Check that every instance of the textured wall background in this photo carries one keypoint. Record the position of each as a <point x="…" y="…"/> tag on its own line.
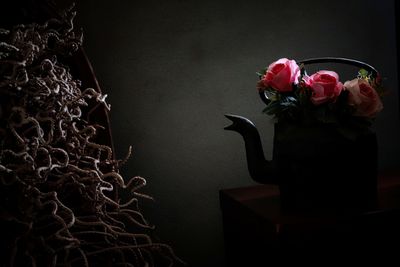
<point x="173" y="68"/>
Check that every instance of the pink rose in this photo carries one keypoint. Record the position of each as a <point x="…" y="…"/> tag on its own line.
<point x="325" y="86"/>
<point x="281" y="75"/>
<point x="363" y="97"/>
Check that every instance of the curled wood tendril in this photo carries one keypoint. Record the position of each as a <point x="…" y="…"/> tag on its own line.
<point x="56" y="179"/>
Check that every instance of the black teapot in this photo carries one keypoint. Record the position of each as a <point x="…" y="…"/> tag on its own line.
<point x="317" y="168"/>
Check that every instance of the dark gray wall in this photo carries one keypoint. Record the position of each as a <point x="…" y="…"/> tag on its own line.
<point x="173" y="68"/>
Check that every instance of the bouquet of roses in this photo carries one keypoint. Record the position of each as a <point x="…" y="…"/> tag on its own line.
<point x="294" y="96"/>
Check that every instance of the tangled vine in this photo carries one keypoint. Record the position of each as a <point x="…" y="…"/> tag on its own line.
<point x="56" y="180"/>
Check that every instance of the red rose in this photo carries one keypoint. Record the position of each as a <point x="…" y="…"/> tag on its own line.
<point x="325" y="86"/>
<point x="363" y="97"/>
<point x="280" y="75"/>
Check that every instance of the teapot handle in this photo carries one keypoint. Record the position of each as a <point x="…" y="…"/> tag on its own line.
<point x="347" y="61"/>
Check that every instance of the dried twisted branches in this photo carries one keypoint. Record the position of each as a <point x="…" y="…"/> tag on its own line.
<point x="55" y="180"/>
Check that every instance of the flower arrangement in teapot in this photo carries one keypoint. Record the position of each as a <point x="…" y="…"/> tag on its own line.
<point x="292" y="95"/>
<point x="324" y="155"/>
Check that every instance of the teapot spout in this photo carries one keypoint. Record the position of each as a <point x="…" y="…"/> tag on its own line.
<point x="261" y="170"/>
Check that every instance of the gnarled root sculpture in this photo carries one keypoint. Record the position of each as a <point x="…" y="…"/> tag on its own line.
<point x="56" y="207"/>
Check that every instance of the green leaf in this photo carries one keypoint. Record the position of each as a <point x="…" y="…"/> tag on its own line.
<point x="362" y="73"/>
<point x="289" y="101"/>
<point x="262" y="72"/>
<point x="272" y="108"/>
<point x="272" y="94"/>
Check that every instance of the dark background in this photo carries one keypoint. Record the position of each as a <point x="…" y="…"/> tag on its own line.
<point x="173" y="68"/>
